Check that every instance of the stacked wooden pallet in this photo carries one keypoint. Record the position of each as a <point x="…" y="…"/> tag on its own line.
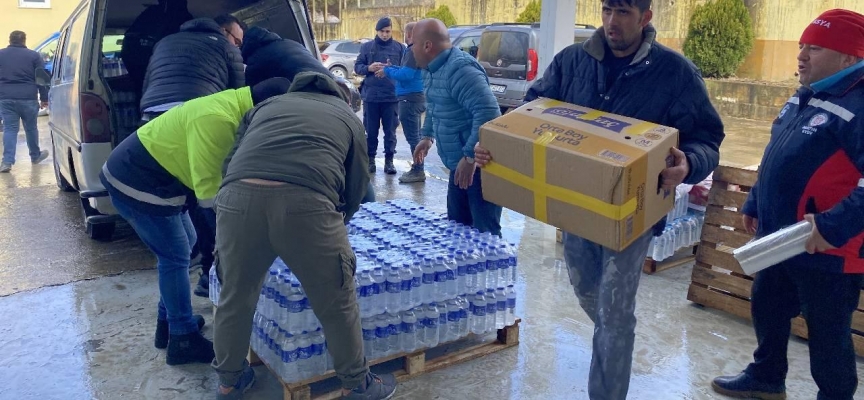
<point x="718" y="280"/>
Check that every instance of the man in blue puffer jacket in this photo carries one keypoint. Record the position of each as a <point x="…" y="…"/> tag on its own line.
<point x="379" y="94"/>
<point x="459" y="100"/>
<point x="622" y="70"/>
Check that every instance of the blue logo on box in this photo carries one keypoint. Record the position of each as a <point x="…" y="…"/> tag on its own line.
<point x="602" y="121"/>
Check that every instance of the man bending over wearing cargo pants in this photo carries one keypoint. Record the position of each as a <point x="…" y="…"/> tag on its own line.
<point x="295" y="177"/>
<point x="622" y="70"/>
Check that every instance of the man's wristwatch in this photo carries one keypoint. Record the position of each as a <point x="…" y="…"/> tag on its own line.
<point x="429" y="138"/>
<point x="469" y="159"/>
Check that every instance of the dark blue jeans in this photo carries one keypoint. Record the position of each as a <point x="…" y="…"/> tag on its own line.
<point x="467" y="206"/>
<point x="170" y="238"/>
<point x="827" y="302"/>
<point x="376" y="116"/>
<point x="409" y="116"/>
<point x="13" y="112"/>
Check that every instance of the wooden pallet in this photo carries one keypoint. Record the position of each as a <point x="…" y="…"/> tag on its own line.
<point x="413" y="364"/>
<point x="718" y="280"/>
<point x="683" y="256"/>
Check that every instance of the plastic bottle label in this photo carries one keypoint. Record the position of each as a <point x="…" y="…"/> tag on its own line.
<point x="481" y="267"/>
<point x="376" y="288"/>
<point x="366" y="291"/>
<point x="441" y="276"/>
<point x="417" y="281"/>
<point x="394" y="330"/>
<point x="431" y="323"/>
<point x="479" y="311"/>
<point x="502" y="305"/>
<point x="304" y="353"/>
<point x="409" y="327"/>
<point x="368" y="335"/>
<point x="295" y="306"/>
<point x="450" y="275"/>
<point x="512" y="261"/>
<point x="471" y="269"/>
<point x="382" y="332"/>
<point x="428" y="279"/>
<point x="491" y="307"/>
<point x="318" y="349"/>
<point x="462" y="270"/>
<point x="406" y="285"/>
<point x="393" y="287"/>
<point x="491" y="265"/>
<point x="289" y="356"/>
<point x="453" y="316"/>
<point x="442" y="319"/>
<point x="511" y="302"/>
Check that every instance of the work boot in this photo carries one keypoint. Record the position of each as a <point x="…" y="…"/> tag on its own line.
<point x="746" y="387"/>
<point x="247" y="379"/>
<point x="203" y="287"/>
<point x="371" y="165"/>
<point x="375" y="387"/>
<point x="389" y="169"/>
<point x="415" y="174"/>
<point x="5" y="167"/>
<point x="161" y="341"/>
<point x="42" y="156"/>
<point x="189" y="348"/>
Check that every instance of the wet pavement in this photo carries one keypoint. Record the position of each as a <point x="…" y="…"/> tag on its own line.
<point x="69" y="336"/>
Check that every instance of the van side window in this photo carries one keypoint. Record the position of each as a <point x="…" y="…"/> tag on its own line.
<point x="58" y="55"/>
<point x="72" y="50"/>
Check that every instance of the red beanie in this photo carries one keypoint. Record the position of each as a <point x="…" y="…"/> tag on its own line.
<point x="838" y="30"/>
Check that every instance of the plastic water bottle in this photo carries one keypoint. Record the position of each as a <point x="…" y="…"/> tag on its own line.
<point x="409" y="331"/>
<point x="481" y="271"/>
<point x="366" y="292"/>
<point x="499" y="257"/>
<point x="428" y="280"/>
<point x="443" y="327"/>
<point x="214" y="287"/>
<point x="461" y="272"/>
<point x="491" y="268"/>
<point x="379" y="293"/>
<point x="393" y="287"/>
<point x="281" y="311"/>
<point x="491" y="309"/>
<point x="452" y="276"/>
<point x="432" y="319"/>
<point x="304" y="355"/>
<point x="471" y="271"/>
<point x="319" y="353"/>
<point x="416" y="284"/>
<point x="500" y="308"/>
<point x="296" y="308"/>
<point x="659" y="248"/>
<point x="270" y="285"/>
<point x="453" y="319"/>
<point x="478" y="319"/>
<point x="288" y="371"/>
<point x="382" y="336"/>
<point x="512" y="260"/>
<point x="368" y="328"/>
<point x="406" y="278"/>
<point x="395" y="330"/>
<point x="464" y="316"/>
<point x="511" y="306"/>
<point x="440" y="292"/>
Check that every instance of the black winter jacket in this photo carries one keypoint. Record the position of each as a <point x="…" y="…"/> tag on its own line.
<point x="18" y="74"/>
<point x="378" y="90"/>
<point x="268" y="56"/>
<point x="195" y="62"/>
<point x="659" y="86"/>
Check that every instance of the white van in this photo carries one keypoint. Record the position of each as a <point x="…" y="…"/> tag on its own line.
<point x="93" y="103"/>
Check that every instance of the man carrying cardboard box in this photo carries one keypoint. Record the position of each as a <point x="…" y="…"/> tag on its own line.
<point x="622" y="70"/>
<point x="812" y="169"/>
<point x="460" y="101"/>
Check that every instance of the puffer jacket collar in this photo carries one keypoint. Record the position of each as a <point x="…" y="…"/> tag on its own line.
<point x="595" y="46"/>
<point x="256" y="38"/>
<point x="205" y="25"/>
<point x="440" y="60"/>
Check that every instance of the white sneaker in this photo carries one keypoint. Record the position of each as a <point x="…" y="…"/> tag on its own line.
<point x="42" y="156"/>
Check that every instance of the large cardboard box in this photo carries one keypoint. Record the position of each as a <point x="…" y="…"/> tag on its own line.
<point x="588" y="172"/>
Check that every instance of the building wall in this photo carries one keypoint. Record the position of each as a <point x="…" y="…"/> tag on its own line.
<point x="37" y="23"/>
<point x="778" y="24"/>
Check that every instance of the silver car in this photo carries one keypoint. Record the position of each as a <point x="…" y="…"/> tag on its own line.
<point x="338" y="56"/>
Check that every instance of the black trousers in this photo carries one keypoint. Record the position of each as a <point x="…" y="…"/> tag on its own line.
<point x="827" y="301"/>
<point x="375" y="117"/>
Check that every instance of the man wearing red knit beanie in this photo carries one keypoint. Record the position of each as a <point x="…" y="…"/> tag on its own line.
<point x="813" y="169"/>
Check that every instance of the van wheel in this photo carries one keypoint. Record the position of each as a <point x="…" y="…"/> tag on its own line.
<point x="102" y="231"/>
<point x="62" y="183"/>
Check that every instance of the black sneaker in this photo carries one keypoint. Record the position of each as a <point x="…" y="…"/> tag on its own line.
<point x="187" y="349"/>
<point x="746" y="387"/>
<point x="389" y="169"/>
<point x="203" y="287"/>
<point x="161" y="341"/>
<point x="375" y="387"/>
<point x="372" y="166"/>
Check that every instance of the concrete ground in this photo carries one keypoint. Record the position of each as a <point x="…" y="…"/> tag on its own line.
<point x="78" y="316"/>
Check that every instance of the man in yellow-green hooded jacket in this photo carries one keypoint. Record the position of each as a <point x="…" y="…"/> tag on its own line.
<point x="155" y="174"/>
